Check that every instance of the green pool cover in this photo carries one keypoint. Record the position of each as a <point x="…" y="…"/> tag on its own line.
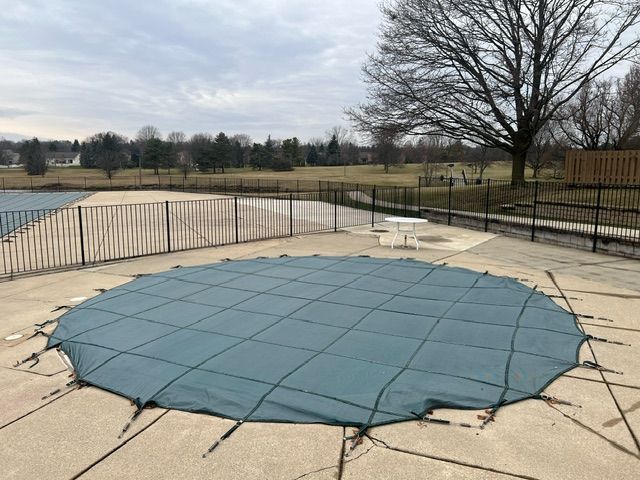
<point x="336" y="340"/>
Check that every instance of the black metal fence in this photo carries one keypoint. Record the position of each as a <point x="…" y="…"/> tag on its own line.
<point x="193" y="183"/>
<point x="77" y="236"/>
<point x="599" y="213"/>
<point x="594" y="217"/>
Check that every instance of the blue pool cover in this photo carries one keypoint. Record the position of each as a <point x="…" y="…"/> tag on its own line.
<point x="352" y="341"/>
<point x="17" y="209"/>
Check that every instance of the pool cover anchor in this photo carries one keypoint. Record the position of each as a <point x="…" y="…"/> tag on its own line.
<point x="441" y="421"/>
<point x="45" y="323"/>
<point x="224" y="436"/>
<point x="132" y="419"/>
<point x="61" y="307"/>
<point x="593" y="317"/>
<point x="556" y="401"/>
<point x="597" y="366"/>
<point x="34" y="357"/>
<point x="606" y="340"/>
<point x="355" y="439"/>
<point x="73" y="383"/>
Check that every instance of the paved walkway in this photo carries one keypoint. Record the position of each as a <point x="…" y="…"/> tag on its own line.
<point x="74" y="433"/>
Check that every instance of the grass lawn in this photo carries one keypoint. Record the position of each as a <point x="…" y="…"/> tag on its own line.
<point x="402" y="175"/>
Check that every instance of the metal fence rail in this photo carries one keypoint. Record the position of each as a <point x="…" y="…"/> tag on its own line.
<point x="192" y="183"/>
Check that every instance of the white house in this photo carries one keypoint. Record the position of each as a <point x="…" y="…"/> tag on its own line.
<point x="9" y="159"/>
<point x="63" y="159"/>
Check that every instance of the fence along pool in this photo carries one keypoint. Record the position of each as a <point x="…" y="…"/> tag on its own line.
<point x="65" y="237"/>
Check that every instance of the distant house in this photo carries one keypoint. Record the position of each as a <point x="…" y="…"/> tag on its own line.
<point x="365" y="157"/>
<point x="9" y="159"/>
<point x="63" y="159"/>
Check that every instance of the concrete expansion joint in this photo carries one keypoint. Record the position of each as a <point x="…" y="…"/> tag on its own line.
<point x="382" y="444"/>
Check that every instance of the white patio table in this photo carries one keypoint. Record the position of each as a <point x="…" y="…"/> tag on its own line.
<point x="399" y="221"/>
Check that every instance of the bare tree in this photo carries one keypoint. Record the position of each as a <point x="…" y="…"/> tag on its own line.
<point x="184" y="162"/>
<point x="627" y="108"/>
<point x="148" y="132"/>
<point x="586" y="121"/>
<point x="481" y="157"/>
<point x="386" y="147"/>
<point x="605" y="114"/>
<point x="176" y="138"/>
<point x="244" y="144"/>
<point x="540" y="155"/>
<point x="178" y="152"/>
<point x="492" y="73"/>
<point x="342" y="134"/>
<point x="144" y="135"/>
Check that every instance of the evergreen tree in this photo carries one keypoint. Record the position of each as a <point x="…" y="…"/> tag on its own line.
<point x="291" y="151"/>
<point x="237" y="155"/>
<point x="257" y="156"/>
<point x="201" y="146"/>
<point x="155" y="155"/>
<point x="33" y="158"/>
<point x="76" y="146"/>
<point x="222" y="150"/>
<point x="312" y="156"/>
<point x="333" y="151"/>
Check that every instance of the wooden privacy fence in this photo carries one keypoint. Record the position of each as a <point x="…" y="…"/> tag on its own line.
<point x="613" y="167"/>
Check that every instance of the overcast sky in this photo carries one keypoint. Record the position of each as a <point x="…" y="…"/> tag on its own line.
<point x="281" y="67"/>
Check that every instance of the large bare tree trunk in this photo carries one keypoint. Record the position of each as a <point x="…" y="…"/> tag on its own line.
<point x="517" y="167"/>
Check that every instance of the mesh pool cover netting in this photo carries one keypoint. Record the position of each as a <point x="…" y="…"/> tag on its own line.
<point x="337" y="340"/>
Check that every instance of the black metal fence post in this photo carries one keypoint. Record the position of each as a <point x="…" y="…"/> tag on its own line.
<point x="291" y="214"/>
<point x="535" y="208"/>
<point x="235" y="216"/>
<point x="373" y="206"/>
<point x="405" y="202"/>
<point x="81" y="234"/>
<point x="595" y="226"/>
<point x="166" y="209"/>
<point x="419" y="198"/>
<point x="335" y="210"/>
<point x="449" y="202"/>
<point x="486" y="207"/>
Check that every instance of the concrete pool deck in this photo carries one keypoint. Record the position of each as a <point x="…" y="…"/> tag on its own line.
<point x="74" y="433"/>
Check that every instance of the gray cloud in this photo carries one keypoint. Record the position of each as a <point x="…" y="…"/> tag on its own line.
<point x="283" y="67"/>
